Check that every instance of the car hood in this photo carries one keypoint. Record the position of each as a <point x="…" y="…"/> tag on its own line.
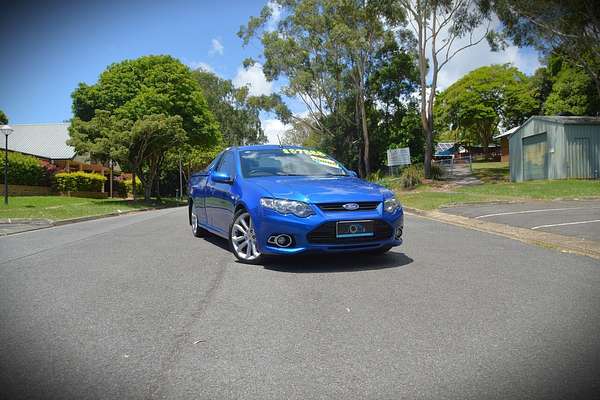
<point x="320" y="189"/>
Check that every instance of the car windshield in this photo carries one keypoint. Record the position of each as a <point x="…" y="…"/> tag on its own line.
<point x="288" y="162"/>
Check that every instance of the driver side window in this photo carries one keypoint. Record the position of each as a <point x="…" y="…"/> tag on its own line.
<point x="227" y="164"/>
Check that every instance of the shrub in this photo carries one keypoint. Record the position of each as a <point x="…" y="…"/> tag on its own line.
<point x="437" y="172"/>
<point x="123" y="187"/>
<point x="79" y="182"/>
<point x="23" y="170"/>
<point x="375" y="176"/>
<point x="411" y="176"/>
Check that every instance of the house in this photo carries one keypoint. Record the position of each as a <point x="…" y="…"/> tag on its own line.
<point x="48" y="142"/>
<point x="503" y="137"/>
<point x="555" y="147"/>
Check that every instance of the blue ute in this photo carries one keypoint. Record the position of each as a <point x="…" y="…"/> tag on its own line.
<point x="281" y="200"/>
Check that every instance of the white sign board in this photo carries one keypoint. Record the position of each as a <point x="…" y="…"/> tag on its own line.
<point x="397" y="157"/>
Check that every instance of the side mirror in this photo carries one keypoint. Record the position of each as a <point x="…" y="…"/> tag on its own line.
<point x="353" y="174"/>
<point x="221" y="177"/>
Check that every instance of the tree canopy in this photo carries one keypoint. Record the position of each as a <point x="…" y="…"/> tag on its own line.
<point x="328" y="51"/>
<point x="3" y="118"/>
<point x="236" y="112"/>
<point x="137" y="111"/>
<point x="484" y="99"/>
<point x="570" y="29"/>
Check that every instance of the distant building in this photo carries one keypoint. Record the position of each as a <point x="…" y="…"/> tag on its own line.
<point x="504" y="142"/>
<point x="555" y="147"/>
<point x="48" y="142"/>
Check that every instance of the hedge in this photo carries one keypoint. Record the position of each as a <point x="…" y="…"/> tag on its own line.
<point x="79" y="182"/>
<point x="24" y="170"/>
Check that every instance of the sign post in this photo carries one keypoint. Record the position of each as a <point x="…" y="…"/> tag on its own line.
<point x="397" y="158"/>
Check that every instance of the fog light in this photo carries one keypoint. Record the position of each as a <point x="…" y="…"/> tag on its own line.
<point x="398" y="233"/>
<point x="281" y="240"/>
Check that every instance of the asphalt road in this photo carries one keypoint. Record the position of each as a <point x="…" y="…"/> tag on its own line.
<point x="575" y="218"/>
<point x="135" y="307"/>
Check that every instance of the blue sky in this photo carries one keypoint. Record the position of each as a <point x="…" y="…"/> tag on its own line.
<point x="49" y="47"/>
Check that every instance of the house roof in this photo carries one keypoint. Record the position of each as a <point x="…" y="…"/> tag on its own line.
<point x="444" y="149"/>
<point x="42" y="140"/>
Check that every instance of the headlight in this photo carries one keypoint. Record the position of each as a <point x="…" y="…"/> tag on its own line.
<point x="298" y="208"/>
<point x="391" y="205"/>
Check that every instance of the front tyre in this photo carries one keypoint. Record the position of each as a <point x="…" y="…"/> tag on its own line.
<point x="242" y="239"/>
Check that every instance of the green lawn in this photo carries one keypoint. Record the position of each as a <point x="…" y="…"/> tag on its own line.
<point x="491" y="171"/>
<point x="58" y="208"/>
<point x="428" y="198"/>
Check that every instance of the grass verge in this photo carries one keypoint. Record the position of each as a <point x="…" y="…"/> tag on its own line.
<point x="426" y="197"/>
<point x="58" y="208"/>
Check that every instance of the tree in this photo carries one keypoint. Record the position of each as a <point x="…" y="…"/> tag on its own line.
<point x="3" y="118"/>
<point x="485" y="98"/>
<point x="438" y="27"/>
<point x="572" y="93"/>
<point x="236" y="111"/>
<point x="127" y="114"/>
<point x="568" y="28"/>
<point x="147" y="143"/>
<point x="325" y="49"/>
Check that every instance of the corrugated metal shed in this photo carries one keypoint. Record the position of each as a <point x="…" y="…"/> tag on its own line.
<point x="42" y="140"/>
<point x="555" y="148"/>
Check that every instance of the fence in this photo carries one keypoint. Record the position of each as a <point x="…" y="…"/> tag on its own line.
<point x="451" y="165"/>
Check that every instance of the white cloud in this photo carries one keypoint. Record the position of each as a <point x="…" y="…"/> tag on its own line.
<point x="481" y="55"/>
<point x="275" y="15"/>
<point x="200" y="65"/>
<point x="255" y="79"/>
<point x="274" y="128"/>
<point x="216" y="48"/>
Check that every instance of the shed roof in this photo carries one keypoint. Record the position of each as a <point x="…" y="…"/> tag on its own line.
<point x="506" y="133"/>
<point x="42" y="140"/>
<point x="584" y="120"/>
<point x="556" y="119"/>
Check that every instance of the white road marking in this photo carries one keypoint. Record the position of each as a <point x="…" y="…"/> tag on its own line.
<point x="566" y="223"/>
<point x="535" y="211"/>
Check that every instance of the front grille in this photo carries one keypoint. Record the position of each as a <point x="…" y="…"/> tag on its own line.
<point x="325" y="234"/>
<point x="362" y="206"/>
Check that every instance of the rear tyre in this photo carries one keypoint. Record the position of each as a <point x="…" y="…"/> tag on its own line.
<point x="242" y="239"/>
<point x="196" y="229"/>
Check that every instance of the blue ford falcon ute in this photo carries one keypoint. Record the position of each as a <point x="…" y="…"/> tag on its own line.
<point x="281" y="200"/>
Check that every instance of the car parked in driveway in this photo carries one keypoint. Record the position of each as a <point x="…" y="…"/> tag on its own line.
<point x="281" y="200"/>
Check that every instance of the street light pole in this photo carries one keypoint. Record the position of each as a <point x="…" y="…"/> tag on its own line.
<point x="180" y="179"/>
<point x="6" y="169"/>
<point x="7" y="130"/>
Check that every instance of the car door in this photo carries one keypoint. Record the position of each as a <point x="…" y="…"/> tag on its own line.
<point x="219" y="198"/>
<point x="198" y="189"/>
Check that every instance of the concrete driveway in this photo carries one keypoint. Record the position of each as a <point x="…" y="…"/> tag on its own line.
<point x="576" y="218"/>
<point x="134" y="307"/>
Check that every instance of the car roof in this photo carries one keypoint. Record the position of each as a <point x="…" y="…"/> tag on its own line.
<point x="267" y="147"/>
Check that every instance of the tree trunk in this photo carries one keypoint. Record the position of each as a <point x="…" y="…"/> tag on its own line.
<point x="365" y="132"/>
<point x="147" y="191"/>
<point x="133" y="185"/>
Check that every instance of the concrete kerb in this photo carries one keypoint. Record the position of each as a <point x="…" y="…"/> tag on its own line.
<point x="563" y="243"/>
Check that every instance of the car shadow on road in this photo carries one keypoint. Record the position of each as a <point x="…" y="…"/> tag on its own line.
<point x="326" y="263"/>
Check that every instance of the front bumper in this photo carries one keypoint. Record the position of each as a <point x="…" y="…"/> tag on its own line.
<point x="268" y="223"/>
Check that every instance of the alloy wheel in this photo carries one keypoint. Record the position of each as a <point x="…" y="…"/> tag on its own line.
<point x="243" y="238"/>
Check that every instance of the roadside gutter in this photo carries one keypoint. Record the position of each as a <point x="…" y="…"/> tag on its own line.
<point x="565" y="244"/>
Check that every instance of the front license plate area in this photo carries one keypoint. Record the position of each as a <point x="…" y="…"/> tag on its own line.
<point x="347" y="229"/>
